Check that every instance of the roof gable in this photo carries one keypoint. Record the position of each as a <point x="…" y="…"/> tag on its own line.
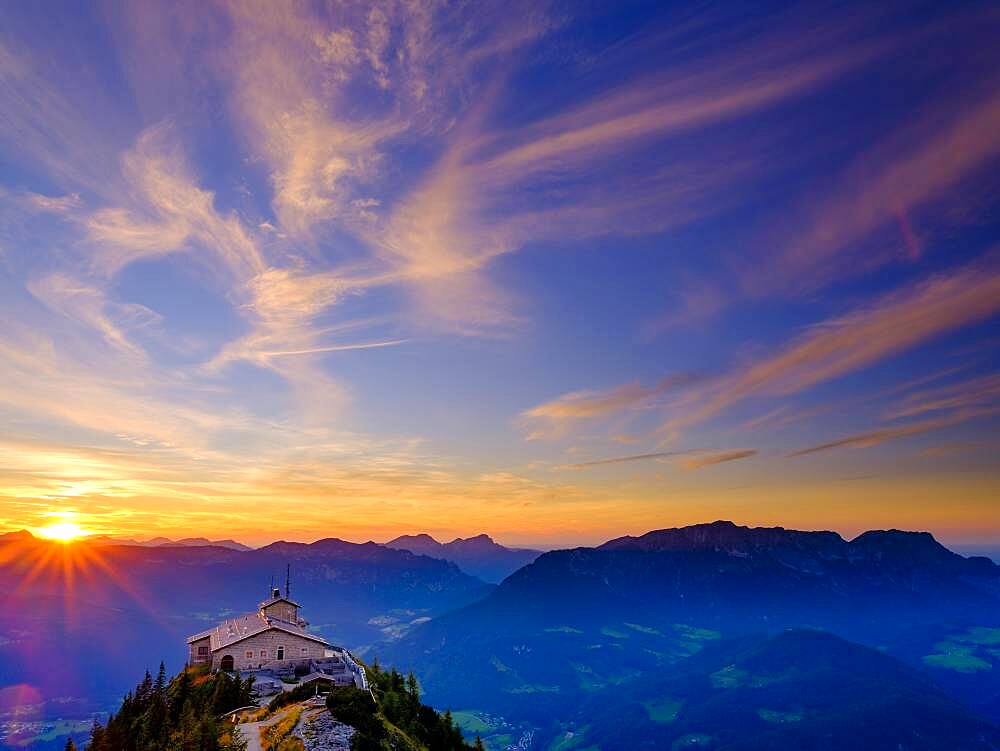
<point x="235" y="630"/>
<point x="275" y="600"/>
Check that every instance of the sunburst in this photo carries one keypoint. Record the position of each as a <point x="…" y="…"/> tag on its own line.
<point x="63" y="531"/>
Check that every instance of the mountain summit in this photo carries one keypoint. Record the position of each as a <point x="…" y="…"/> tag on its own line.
<point x="480" y="555"/>
<point x="811" y="550"/>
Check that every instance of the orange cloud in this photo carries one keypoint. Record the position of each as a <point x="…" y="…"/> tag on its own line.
<point x="554" y="418"/>
<point x="623" y="459"/>
<point x="892" y="324"/>
<point x="495" y="190"/>
<point x="707" y="460"/>
<point x="920" y="171"/>
<point x="881" y="435"/>
<point x="688" y="458"/>
<point x="965" y="394"/>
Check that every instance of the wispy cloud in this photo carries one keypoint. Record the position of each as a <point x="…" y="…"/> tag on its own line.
<point x="687" y="458"/>
<point x="967" y="393"/>
<point x="870" y="216"/>
<point x="881" y="435"/>
<point x="624" y="459"/>
<point x="889" y="325"/>
<point x="699" y="461"/>
<point x="892" y="324"/>
<point x="556" y="417"/>
<point x="89" y="306"/>
<point x="170" y="213"/>
<point x="949" y="449"/>
<point x="494" y="190"/>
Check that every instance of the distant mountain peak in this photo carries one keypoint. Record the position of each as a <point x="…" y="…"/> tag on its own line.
<point x="721" y="534"/>
<point x="481" y="537"/>
<point x="479" y="542"/>
<point x="479" y="555"/>
<point x="421" y="538"/>
<point x="20" y="534"/>
<point x="897" y="542"/>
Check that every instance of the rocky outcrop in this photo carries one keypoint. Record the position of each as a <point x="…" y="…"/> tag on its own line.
<point x="318" y="731"/>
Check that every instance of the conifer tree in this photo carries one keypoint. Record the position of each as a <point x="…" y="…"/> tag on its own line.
<point x="161" y="680"/>
<point x="178" y="696"/>
<point x="96" y="736"/>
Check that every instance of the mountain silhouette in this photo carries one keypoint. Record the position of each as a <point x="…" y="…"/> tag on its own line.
<point x="480" y="555"/>
<point x="582" y="620"/>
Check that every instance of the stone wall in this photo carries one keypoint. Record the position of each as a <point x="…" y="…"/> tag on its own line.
<point x="283" y="611"/>
<point x="195" y="655"/>
<point x="264" y="648"/>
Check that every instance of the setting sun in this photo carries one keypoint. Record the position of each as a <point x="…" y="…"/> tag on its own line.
<point x="62" y="531"/>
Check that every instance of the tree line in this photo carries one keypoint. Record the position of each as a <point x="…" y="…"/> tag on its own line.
<point x="182" y="714"/>
<point x="398" y="711"/>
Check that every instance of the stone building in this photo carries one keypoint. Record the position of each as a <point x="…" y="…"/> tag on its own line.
<point x="272" y="638"/>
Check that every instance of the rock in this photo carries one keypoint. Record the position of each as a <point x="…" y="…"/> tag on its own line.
<point x="320" y="732"/>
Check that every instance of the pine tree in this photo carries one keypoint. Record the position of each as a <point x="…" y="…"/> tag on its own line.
<point x="178" y="696"/>
<point x="70" y="746"/>
<point x="143" y="692"/>
<point x="412" y="688"/>
<point x="479" y="744"/>
<point x="161" y="680"/>
<point x="96" y="737"/>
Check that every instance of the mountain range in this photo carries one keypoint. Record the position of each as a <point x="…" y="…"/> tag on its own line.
<point x="583" y="623"/>
<point x="81" y="620"/>
<point x="480" y="555"/>
<point x="155" y="542"/>
<point x="709" y="636"/>
<point x="166" y="542"/>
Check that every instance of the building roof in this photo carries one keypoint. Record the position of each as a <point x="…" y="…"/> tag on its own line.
<point x="314" y="676"/>
<point x="278" y="598"/>
<point x="234" y="630"/>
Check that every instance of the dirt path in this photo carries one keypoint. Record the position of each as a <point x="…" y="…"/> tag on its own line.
<point x="251" y="731"/>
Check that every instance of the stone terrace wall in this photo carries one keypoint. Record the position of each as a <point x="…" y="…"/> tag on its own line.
<point x="265" y="649"/>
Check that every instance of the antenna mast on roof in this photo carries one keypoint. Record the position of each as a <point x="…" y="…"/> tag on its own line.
<point x="270" y="590"/>
<point x="288" y="580"/>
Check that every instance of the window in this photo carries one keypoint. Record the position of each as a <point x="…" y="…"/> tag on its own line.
<point x="263" y="653"/>
<point x="281" y="653"/>
<point x="203" y="651"/>
<point x="305" y="650"/>
<point x="249" y="654"/>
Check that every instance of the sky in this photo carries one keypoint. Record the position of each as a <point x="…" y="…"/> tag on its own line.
<point x="553" y="271"/>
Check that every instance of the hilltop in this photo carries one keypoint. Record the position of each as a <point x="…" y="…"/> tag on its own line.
<point x="207" y="711"/>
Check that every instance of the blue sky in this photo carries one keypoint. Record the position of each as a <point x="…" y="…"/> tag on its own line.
<point x="553" y="271"/>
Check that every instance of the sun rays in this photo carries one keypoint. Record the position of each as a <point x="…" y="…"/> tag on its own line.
<point x="60" y="562"/>
<point x="62" y="532"/>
